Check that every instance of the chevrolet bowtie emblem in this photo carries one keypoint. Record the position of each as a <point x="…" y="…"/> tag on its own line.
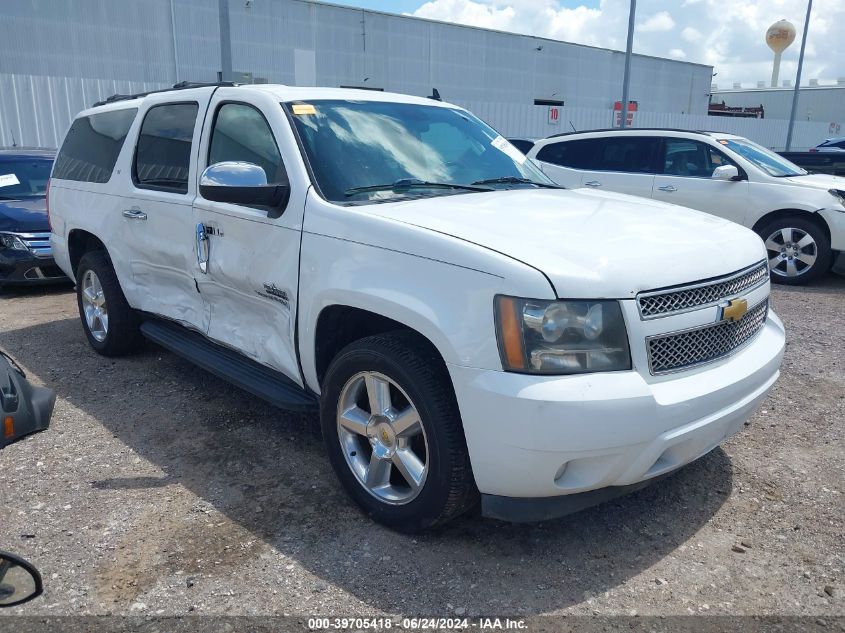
<point x="734" y="311"/>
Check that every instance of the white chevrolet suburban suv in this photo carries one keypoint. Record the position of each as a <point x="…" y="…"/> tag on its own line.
<point x="800" y="216"/>
<point x="473" y="334"/>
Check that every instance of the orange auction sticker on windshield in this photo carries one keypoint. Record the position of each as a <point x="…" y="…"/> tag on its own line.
<point x="723" y="141"/>
<point x="304" y="108"/>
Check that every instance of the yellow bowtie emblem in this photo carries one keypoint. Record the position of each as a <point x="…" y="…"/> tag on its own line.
<point x="735" y="310"/>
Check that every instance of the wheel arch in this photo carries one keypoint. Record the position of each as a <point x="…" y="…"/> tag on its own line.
<point x="79" y="242"/>
<point x="810" y="216"/>
<point x="340" y="324"/>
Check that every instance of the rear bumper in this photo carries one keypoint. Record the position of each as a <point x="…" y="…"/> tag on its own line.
<point x="22" y="268"/>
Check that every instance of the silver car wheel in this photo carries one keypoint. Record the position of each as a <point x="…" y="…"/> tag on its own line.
<point x="792" y="252"/>
<point x="94" y="306"/>
<point x="382" y="438"/>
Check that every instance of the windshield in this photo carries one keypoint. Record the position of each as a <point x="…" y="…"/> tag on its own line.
<point x="763" y="158"/>
<point x="370" y="151"/>
<point x="24" y="178"/>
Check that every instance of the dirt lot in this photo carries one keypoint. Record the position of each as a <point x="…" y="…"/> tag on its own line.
<point x="161" y="490"/>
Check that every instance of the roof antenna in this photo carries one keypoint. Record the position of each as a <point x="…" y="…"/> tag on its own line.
<point x="14" y="142"/>
<point x="572" y="126"/>
<point x="435" y="94"/>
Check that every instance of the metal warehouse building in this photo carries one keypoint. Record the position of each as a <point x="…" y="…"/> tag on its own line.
<point x="58" y="56"/>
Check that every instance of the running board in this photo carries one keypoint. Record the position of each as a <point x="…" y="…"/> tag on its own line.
<point x="261" y="381"/>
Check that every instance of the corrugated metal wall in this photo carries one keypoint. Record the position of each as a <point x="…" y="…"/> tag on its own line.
<point x="37" y="111"/>
<point x="303" y="42"/>
<point x="59" y="56"/>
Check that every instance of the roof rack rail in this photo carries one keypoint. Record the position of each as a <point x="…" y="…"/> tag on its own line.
<point x="629" y="129"/>
<point x="182" y="85"/>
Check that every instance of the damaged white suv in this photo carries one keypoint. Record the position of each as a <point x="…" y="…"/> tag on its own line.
<point x="472" y="333"/>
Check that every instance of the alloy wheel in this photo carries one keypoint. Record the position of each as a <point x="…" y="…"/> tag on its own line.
<point x="792" y="252"/>
<point x="94" y="306"/>
<point x="382" y="437"/>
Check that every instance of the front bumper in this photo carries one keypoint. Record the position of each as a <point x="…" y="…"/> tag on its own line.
<point x="24" y="268"/>
<point x="550" y="436"/>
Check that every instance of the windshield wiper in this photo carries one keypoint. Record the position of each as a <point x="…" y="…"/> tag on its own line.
<point x="514" y="180"/>
<point x="404" y="184"/>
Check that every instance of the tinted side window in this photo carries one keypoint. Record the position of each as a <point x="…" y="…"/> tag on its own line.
<point x="685" y="157"/>
<point x="242" y="134"/>
<point x="577" y="154"/>
<point x="522" y="144"/>
<point x="631" y="154"/>
<point x="163" y="154"/>
<point x="92" y="145"/>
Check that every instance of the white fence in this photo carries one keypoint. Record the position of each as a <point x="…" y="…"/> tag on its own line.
<point x="37" y="110"/>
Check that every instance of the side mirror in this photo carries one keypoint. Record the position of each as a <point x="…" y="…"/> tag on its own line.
<point x="725" y="172"/>
<point x="19" y="581"/>
<point x="242" y="183"/>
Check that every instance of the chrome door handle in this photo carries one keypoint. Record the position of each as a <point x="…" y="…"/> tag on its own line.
<point x="134" y="214"/>
<point x="668" y="188"/>
<point x="592" y="183"/>
<point x="202" y="248"/>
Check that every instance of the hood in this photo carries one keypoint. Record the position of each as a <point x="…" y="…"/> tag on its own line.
<point x="590" y="244"/>
<point x="24" y="216"/>
<point x="817" y="181"/>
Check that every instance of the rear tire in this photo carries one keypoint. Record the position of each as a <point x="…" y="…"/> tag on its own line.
<point x="798" y="250"/>
<point x="401" y="453"/>
<point x="111" y="326"/>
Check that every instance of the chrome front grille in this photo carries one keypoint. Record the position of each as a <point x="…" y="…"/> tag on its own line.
<point x="38" y="243"/>
<point x="685" y="349"/>
<point x="695" y="296"/>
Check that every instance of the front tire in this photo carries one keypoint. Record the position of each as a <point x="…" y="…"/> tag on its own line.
<point x="111" y="326"/>
<point x="798" y="250"/>
<point x="393" y="432"/>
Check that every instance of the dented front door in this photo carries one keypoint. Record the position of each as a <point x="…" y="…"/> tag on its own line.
<point x="248" y="258"/>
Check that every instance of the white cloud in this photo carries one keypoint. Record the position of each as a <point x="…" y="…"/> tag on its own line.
<point x="726" y="35"/>
<point x="657" y="23"/>
<point x="468" y="12"/>
<point x="691" y="34"/>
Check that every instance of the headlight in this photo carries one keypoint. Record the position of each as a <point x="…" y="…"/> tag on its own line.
<point x="10" y="240"/>
<point x="561" y="337"/>
<point x="839" y="194"/>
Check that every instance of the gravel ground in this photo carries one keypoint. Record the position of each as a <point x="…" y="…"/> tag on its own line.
<point x="160" y="490"/>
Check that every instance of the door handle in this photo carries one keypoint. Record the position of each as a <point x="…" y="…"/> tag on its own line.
<point x="202" y="248"/>
<point x="668" y="188"/>
<point x="592" y="183"/>
<point x="134" y="214"/>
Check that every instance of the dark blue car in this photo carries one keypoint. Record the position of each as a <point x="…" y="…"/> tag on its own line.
<point x="25" y="254"/>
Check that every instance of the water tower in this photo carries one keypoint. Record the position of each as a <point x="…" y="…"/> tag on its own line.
<point x="779" y="36"/>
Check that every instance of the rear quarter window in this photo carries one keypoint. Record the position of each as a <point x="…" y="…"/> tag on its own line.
<point x="92" y="146"/>
<point x="577" y="154"/>
<point x="163" y="154"/>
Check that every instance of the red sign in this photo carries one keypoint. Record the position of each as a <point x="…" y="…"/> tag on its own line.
<point x="554" y="115"/>
<point x="617" y="114"/>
